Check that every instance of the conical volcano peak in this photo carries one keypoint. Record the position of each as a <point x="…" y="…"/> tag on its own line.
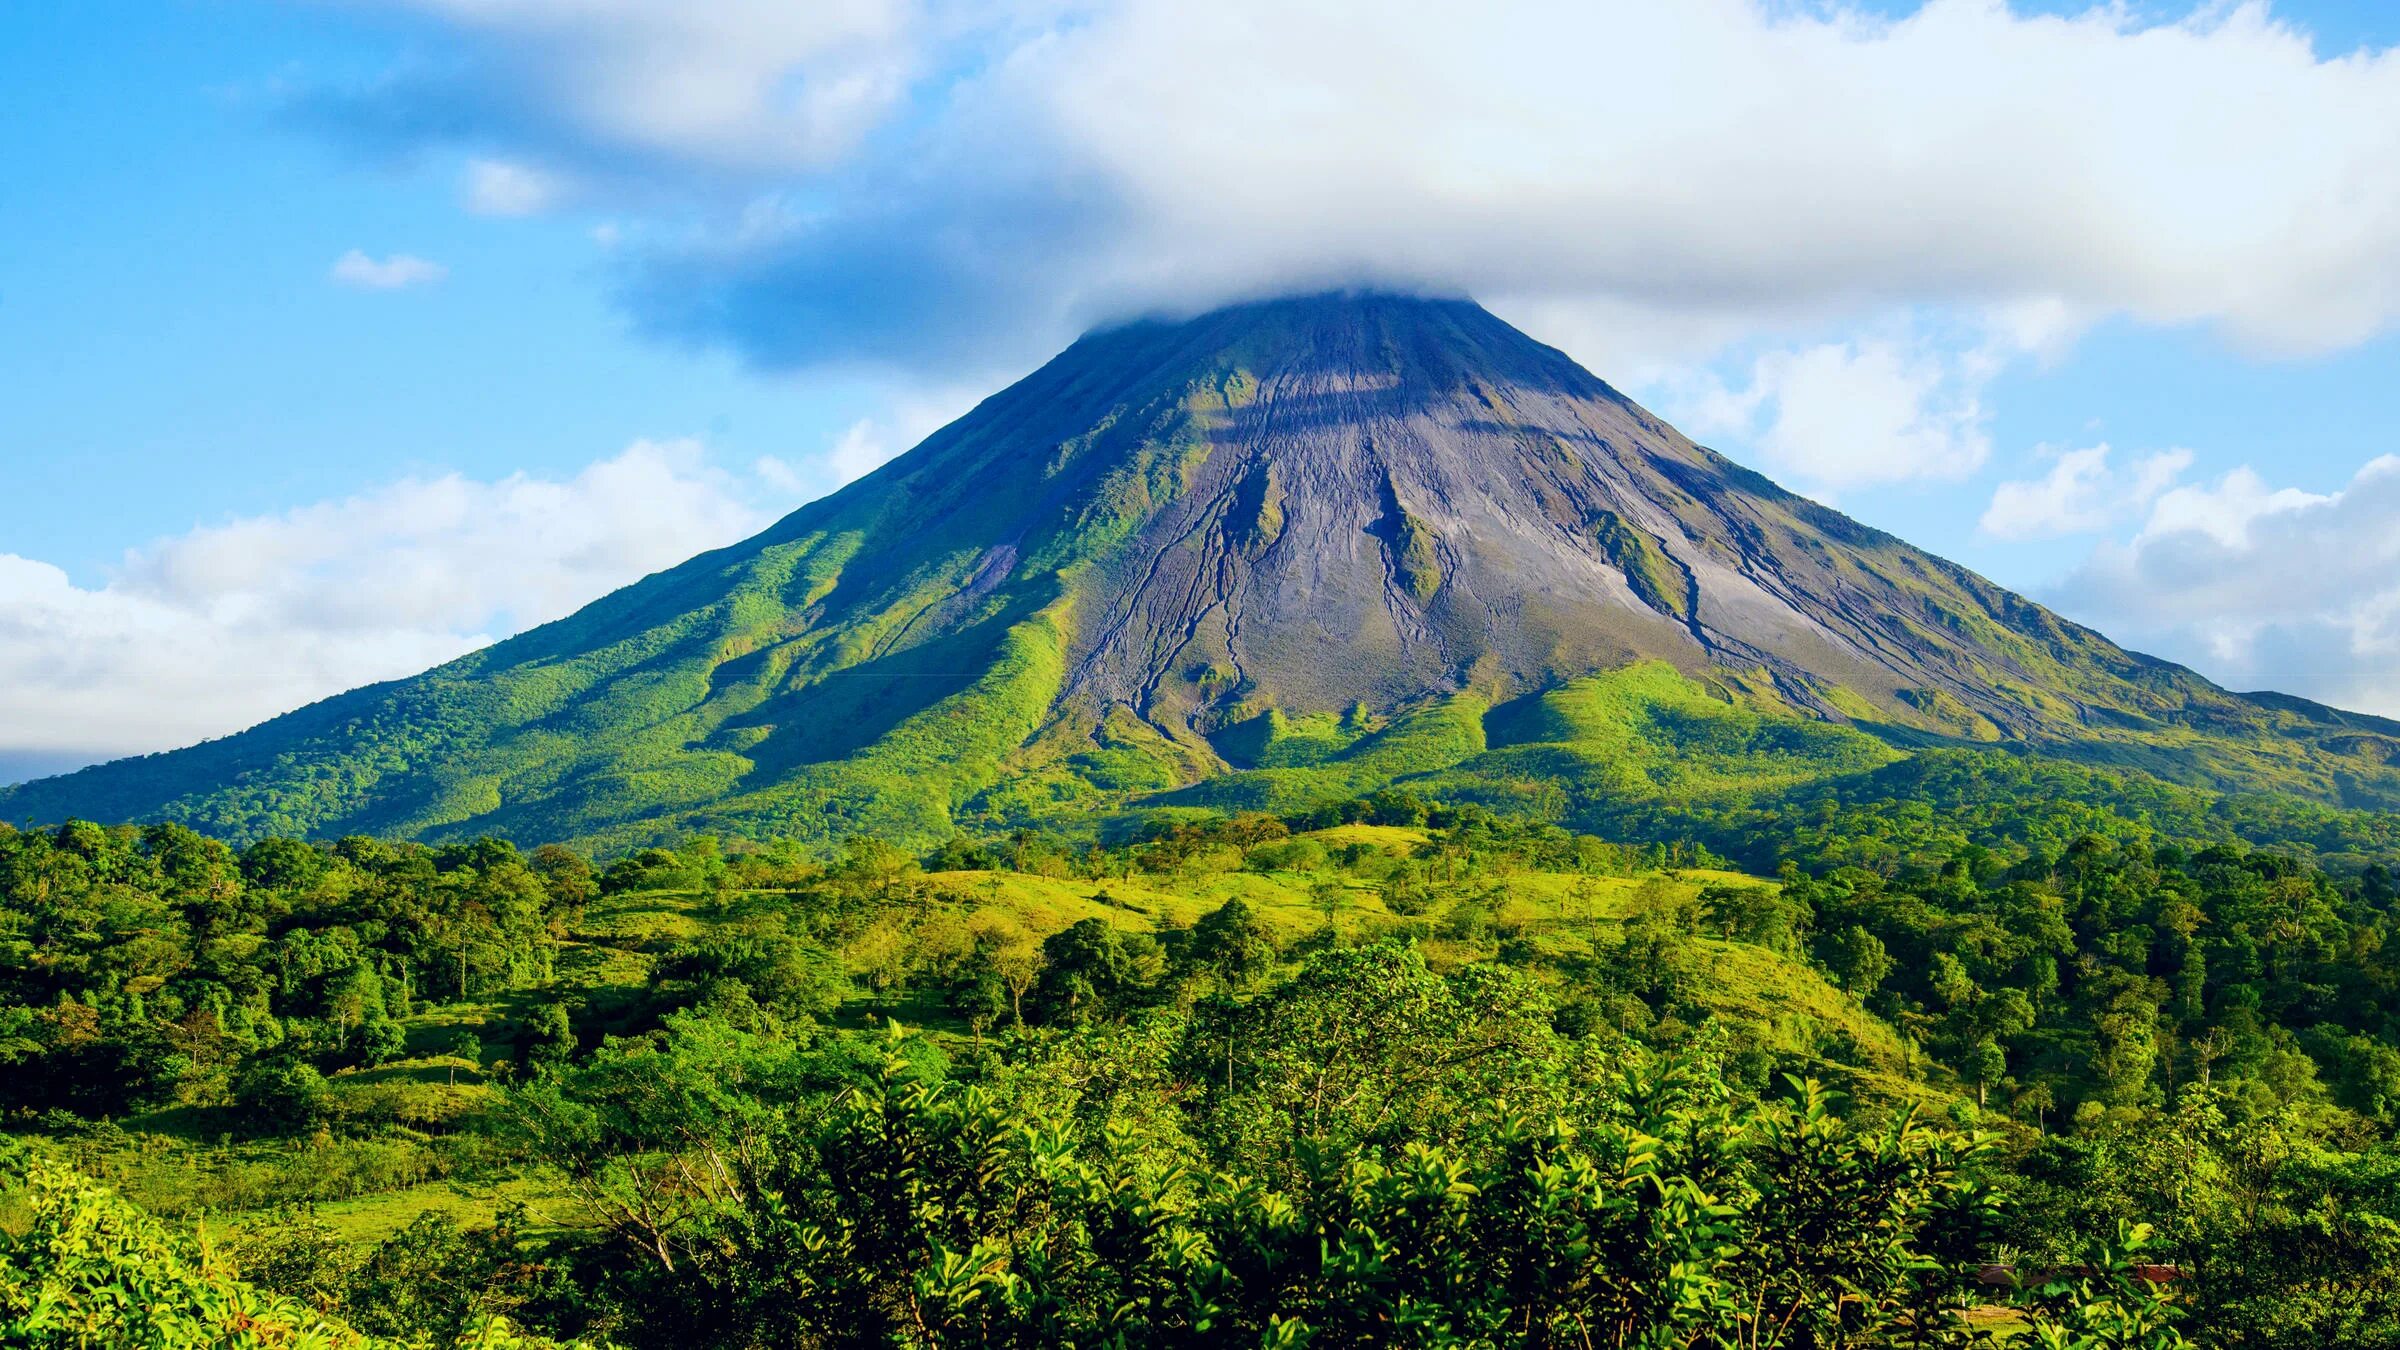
<point x="1431" y="344"/>
<point x="1238" y="543"/>
<point x="1378" y="498"/>
<point x="1385" y="496"/>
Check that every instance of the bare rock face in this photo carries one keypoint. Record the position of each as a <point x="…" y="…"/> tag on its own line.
<point x="1105" y="577"/>
<point x="1387" y="497"/>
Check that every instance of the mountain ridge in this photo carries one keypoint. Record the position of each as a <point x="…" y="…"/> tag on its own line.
<point x="1147" y="563"/>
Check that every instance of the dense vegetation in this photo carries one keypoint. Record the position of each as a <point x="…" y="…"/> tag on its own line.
<point x="2013" y="1059"/>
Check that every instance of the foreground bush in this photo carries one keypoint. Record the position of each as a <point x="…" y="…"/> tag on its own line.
<point x="91" y="1272"/>
<point x="920" y="1213"/>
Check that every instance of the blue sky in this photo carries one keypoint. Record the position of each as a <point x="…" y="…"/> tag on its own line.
<point x="625" y="280"/>
<point x="178" y="352"/>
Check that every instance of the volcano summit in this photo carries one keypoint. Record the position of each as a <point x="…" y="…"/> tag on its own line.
<point x="1284" y="548"/>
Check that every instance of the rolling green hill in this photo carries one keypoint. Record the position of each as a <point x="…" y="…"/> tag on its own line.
<point x="1277" y="553"/>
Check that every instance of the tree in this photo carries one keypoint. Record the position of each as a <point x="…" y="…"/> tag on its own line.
<point x="496" y="925"/>
<point x="989" y="978"/>
<point x="1012" y="957"/>
<point x="381" y="1040"/>
<point x="464" y="1045"/>
<point x="547" y="1037"/>
<point x="282" y="1096"/>
<point x="884" y="955"/>
<point x="2207" y="1049"/>
<point x="434" y="1282"/>
<point x="566" y="875"/>
<point x="1857" y="958"/>
<point x="875" y="865"/>
<point x="652" y="1132"/>
<point x="960" y="853"/>
<point x="1987" y="1064"/>
<point x="1230" y="943"/>
<point x="2034" y="1097"/>
<point x="1363" y="1043"/>
<point x="1393" y="806"/>
<point x="1088" y="971"/>
<point x="1653" y="942"/>
<point x="782" y="970"/>
<point x="2128" y="1053"/>
<point x="1405" y="893"/>
<point x="1765" y="916"/>
<point x="1329" y="894"/>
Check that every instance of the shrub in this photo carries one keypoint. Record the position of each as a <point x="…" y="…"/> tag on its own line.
<point x="282" y="1096"/>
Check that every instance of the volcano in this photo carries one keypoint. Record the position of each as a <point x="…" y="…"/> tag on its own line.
<point x="1377" y="534"/>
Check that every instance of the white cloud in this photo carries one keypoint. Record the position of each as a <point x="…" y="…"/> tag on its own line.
<point x="498" y="187"/>
<point x="98" y="673"/>
<point x="860" y="449"/>
<point x="2081" y="493"/>
<point x="1756" y="161"/>
<point x="1720" y="152"/>
<point x="2226" y="512"/>
<point x="742" y="84"/>
<point x="211" y="631"/>
<point x="1871" y="215"/>
<point x="940" y="182"/>
<point x="908" y="416"/>
<point x="386" y="274"/>
<point x="1888" y="407"/>
<point x="2261" y="587"/>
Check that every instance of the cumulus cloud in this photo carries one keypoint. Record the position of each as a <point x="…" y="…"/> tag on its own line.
<point x="211" y="631"/>
<point x="1848" y="414"/>
<point x="909" y="180"/>
<point x="738" y="85"/>
<point x="498" y="187"/>
<point x="2264" y="587"/>
<point x="2226" y="512"/>
<point x="2081" y="493"/>
<point x="394" y="273"/>
<point x="869" y="443"/>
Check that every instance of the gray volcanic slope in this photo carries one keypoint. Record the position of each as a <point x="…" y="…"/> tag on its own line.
<point x="1419" y="498"/>
<point x="1107" y="577"/>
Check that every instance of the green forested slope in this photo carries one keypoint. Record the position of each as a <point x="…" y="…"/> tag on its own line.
<point x="1284" y="551"/>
